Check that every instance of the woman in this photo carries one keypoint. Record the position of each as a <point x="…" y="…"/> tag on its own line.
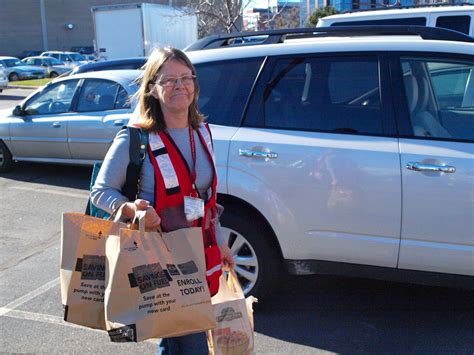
<point x="178" y="177"/>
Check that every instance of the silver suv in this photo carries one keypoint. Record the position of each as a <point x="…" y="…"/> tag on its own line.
<point x="344" y="151"/>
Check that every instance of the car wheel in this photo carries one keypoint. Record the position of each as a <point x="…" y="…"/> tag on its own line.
<point x="257" y="259"/>
<point x="53" y="74"/>
<point x="13" y="77"/>
<point x="6" y="161"/>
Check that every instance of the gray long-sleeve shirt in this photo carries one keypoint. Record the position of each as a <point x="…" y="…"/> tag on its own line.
<point x="106" y="192"/>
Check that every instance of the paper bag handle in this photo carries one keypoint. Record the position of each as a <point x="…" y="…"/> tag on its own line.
<point x="140" y="215"/>
<point x="116" y="214"/>
<point x="234" y="284"/>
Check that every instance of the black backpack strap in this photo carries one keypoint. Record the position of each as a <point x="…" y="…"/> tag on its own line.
<point x="137" y="152"/>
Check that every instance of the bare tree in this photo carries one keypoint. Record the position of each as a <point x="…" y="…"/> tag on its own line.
<point x="218" y="15"/>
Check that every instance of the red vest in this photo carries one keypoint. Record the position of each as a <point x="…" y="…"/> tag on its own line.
<point x="173" y="181"/>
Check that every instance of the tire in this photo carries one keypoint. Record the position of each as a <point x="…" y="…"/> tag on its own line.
<point x="257" y="258"/>
<point x="13" y="77"/>
<point x="6" y="161"/>
<point x="53" y="75"/>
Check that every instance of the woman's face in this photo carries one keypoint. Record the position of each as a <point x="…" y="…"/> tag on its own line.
<point x="172" y="87"/>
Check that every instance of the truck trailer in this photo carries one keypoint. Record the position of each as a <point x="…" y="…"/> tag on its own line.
<point x="134" y="30"/>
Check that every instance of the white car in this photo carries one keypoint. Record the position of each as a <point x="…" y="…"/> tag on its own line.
<point x="344" y="152"/>
<point x="71" y="59"/>
<point x="3" y="79"/>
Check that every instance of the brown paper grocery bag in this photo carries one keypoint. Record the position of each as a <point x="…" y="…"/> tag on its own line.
<point x="82" y="270"/>
<point x="233" y="334"/>
<point x="156" y="285"/>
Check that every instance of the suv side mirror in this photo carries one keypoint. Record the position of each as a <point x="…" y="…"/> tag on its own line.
<point x="18" y="111"/>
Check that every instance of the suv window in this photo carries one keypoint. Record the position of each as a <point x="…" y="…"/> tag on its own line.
<point x="457" y="23"/>
<point x="224" y="89"/>
<point x="98" y="95"/>
<point x="440" y="97"/>
<point x="315" y="94"/>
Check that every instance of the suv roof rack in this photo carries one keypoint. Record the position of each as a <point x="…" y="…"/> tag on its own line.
<point x="398" y="6"/>
<point x="279" y="36"/>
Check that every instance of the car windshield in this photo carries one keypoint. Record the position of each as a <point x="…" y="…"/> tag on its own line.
<point x="77" y="56"/>
<point x="12" y="62"/>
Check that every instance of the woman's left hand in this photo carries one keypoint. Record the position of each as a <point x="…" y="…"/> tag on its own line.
<point x="227" y="258"/>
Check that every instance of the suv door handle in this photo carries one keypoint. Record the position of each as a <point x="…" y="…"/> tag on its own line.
<point x="257" y="154"/>
<point x="430" y="167"/>
<point x="118" y="122"/>
<point x="56" y="124"/>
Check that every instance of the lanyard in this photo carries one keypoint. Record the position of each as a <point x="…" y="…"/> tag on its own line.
<point x="193" y="154"/>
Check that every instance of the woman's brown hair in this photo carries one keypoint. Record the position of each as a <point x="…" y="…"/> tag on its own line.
<point x="151" y="117"/>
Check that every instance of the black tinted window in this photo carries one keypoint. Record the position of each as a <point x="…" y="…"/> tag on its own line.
<point x="225" y="87"/>
<point x="457" y="23"/>
<point x="324" y="94"/>
<point x="419" y="21"/>
<point x="97" y="95"/>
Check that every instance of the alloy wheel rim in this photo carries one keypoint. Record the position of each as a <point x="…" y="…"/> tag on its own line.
<point x="2" y="157"/>
<point x="245" y="258"/>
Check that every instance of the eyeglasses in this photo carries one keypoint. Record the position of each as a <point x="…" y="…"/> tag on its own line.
<point x="171" y="80"/>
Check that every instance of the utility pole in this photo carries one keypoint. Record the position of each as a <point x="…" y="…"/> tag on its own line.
<point x="43" y="25"/>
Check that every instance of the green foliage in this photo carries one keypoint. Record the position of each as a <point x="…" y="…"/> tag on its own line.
<point x="318" y="13"/>
<point x="35" y="82"/>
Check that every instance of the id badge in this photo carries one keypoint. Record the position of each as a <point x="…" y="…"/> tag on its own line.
<point x="193" y="208"/>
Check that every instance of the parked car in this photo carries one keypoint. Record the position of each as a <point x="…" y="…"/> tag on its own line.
<point x="114" y="64"/>
<point x="83" y="50"/>
<point x="53" y="66"/>
<point x="72" y="120"/>
<point x="350" y="150"/>
<point x="25" y="54"/>
<point x="16" y="70"/>
<point x="71" y="59"/>
<point x="3" y="79"/>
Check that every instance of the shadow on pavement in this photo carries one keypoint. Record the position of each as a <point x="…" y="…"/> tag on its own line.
<point x="4" y="97"/>
<point x="349" y="315"/>
<point x="77" y="177"/>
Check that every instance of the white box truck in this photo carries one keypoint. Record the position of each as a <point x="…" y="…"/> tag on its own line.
<point x="133" y="30"/>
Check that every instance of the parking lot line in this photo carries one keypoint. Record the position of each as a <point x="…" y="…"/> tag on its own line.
<point x="50" y="319"/>
<point x="28" y="297"/>
<point x="10" y="310"/>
